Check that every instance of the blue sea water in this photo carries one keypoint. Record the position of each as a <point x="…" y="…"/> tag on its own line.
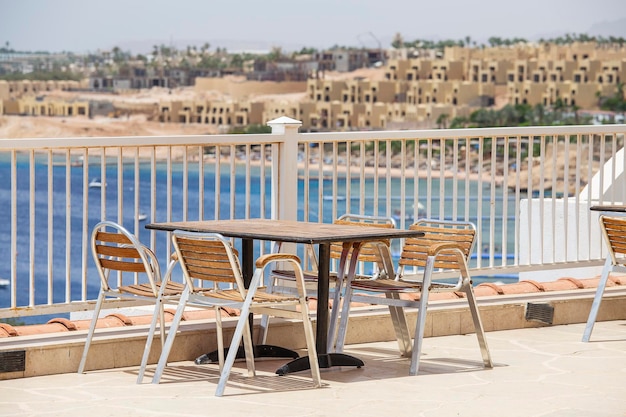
<point x="68" y="218"/>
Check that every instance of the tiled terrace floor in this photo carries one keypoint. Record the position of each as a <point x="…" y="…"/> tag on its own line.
<point x="545" y="372"/>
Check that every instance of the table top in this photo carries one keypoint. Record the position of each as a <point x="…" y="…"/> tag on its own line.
<point x="287" y="230"/>
<point x="616" y="208"/>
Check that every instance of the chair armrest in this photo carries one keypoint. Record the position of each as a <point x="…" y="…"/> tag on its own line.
<point x="435" y="248"/>
<point x="263" y="260"/>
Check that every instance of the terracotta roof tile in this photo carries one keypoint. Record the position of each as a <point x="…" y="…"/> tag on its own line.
<point x="522" y="287"/>
<point x="481" y="290"/>
<point x="488" y="288"/>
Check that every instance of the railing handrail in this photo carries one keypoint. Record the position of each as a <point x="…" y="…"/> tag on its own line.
<point x="136" y="141"/>
<point x="468" y="132"/>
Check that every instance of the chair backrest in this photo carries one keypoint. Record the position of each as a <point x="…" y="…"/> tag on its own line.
<point x="416" y="250"/>
<point x="367" y="252"/>
<point x="208" y="257"/>
<point x="614" y="232"/>
<point x="114" y="248"/>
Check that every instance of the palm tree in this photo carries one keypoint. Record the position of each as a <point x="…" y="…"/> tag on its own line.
<point x="398" y="41"/>
<point x="459" y="122"/>
<point x="442" y="121"/>
<point x="539" y="113"/>
<point x="575" y="109"/>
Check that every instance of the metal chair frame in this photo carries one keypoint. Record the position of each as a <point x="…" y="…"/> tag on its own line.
<point x="446" y="245"/>
<point x="115" y="249"/>
<point x="366" y="255"/>
<point x="614" y="234"/>
<point x="210" y="257"/>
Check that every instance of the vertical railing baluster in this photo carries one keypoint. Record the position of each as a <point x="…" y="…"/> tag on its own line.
<point x="68" y="215"/>
<point x="403" y="179"/>
<point x="85" y="231"/>
<point x="31" y="228"/>
<point x="388" y="185"/>
<point x="455" y="177"/>
<point x="136" y="189"/>
<point x="49" y="221"/>
<point x="479" y="201"/>
<point x="348" y="176"/>
<point x="218" y="182"/>
<point x="506" y="156"/>
<point x="13" y="229"/>
<point x="362" y="182"/>
<point x="233" y="178"/>
<point x="200" y="183"/>
<point x="247" y="181"/>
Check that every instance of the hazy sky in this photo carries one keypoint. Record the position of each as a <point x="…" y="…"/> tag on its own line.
<point x="87" y="25"/>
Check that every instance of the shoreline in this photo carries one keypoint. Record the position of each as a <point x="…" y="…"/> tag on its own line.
<point x="328" y="169"/>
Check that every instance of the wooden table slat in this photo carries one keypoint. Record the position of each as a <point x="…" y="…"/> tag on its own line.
<point x="286" y="230"/>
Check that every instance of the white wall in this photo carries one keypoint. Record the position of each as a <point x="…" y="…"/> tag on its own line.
<point x="574" y="234"/>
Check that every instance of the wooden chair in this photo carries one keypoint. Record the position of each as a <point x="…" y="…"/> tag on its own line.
<point x="210" y="258"/>
<point x="614" y="233"/>
<point x="115" y="249"/>
<point x="446" y="247"/>
<point x="366" y="256"/>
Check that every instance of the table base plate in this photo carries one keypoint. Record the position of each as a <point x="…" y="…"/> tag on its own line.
<point x="260" y="351"/>
<point x="327" y="360"/>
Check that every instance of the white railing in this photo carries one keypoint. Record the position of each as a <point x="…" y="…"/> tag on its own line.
<point x="526" y="222"/>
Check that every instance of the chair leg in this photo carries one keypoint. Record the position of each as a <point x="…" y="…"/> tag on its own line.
<point x="165" y="352"/>
<point x="400" y="326"/>
<point x="478" y="325"/>
<point x="249" y="349"/>
<point x="420" y="323"/>
<point x="419" y="332"/>
<point x="242" y="323"/>
<point x="265" y="318"/>
<point x="335" y="310"/>
<point x="166" y="279"/>
<point x="220" y="338"/>
<point x="92" y="329"/>
<point x="310" y="344"/>
<point x="597" y="300"/>
<point x="146" y="351"/>
<point x="344" y="280"/>
<point x="343" y="322"/>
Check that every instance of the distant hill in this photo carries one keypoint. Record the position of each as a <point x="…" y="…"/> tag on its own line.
<point x="615" y="28"/>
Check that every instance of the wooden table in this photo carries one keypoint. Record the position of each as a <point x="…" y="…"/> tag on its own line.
<point x="321" y="234"/>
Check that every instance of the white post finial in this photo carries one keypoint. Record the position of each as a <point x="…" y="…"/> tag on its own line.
<point x="282" y="124"/>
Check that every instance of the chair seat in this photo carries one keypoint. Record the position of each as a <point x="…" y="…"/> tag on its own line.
<point x="260" y="296"/>
<point x="172" y="288"/>
<point x="390" y="285"/>
<point x="290" y="275"/>
<point x="385" y="285"/>
<point x="310" y="276"/>
<point x="145" y="290"/>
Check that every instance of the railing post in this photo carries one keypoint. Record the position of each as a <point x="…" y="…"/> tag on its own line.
<point x="285" y="169"/>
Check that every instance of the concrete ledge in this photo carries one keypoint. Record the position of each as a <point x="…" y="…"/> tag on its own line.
<point x="121" y="347"/>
